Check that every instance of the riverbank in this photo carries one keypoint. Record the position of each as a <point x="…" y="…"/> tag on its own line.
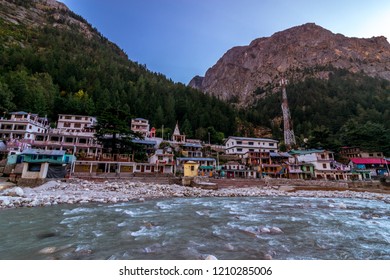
<point x="78" y="191"/>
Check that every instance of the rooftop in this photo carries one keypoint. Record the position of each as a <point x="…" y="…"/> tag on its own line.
<point x="251" y="139"/>
<point x="369" y="161"/>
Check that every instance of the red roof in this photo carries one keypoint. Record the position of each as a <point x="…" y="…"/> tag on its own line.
<point x="369" y="161"/>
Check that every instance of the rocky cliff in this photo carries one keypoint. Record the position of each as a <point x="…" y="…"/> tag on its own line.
<point x="39" y="13"/>
<point x="244" y="73"/>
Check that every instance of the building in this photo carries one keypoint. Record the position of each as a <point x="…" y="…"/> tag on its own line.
<point x="208" y="164"/>
<point x="163" y="160"/>
<point x="190" y="168"/>
<point x="177" y="136"/>
<point x="325" y="167"/>
<point x="140" y="126"/>
<point x="74" y="134"/>
<point x="355" y="152"/>
<point x="23" y="127"/>
<point x="370" y="167"/>
<point x="76" y="123"/>
<point x="40" y="164"/>
<point x="234" y="169"/>
<point x="191" y="150"/>
<point x="242" y="145"/>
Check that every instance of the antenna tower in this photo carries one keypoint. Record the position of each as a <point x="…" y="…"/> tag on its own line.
<point x="289" y="137"/>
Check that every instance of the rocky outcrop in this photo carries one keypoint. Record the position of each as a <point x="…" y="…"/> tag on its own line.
<point x="39" y="13"/>
<point x="244" y="73"/>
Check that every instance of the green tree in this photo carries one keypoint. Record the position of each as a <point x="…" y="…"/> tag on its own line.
<point x="113" y="132"/>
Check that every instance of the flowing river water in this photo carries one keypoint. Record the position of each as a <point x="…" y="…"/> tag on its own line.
<point x="192" y="228"/>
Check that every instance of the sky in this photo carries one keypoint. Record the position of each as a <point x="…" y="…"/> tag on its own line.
<point x="183" y="38"/>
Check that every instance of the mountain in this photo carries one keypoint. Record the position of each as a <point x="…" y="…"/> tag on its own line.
<point x="244" y="72"/>
<point x="52" y="61"/>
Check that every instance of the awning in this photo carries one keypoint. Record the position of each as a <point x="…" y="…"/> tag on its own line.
<point x="206" y="167"/>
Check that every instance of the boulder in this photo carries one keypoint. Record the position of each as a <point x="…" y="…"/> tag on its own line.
<point x="276" y="230"/>
<point x="264" y="230"/>
<point x="211" y="257"/>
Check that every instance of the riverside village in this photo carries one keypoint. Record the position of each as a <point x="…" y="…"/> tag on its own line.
<point x="32" y="152"/>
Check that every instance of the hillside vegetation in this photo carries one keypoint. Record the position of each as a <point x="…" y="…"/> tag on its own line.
<point x="60" y="64"/>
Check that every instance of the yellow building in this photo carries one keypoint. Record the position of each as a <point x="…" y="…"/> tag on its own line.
<point x="191" y="169"/>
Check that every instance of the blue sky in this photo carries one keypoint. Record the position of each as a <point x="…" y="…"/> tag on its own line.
<point x="183" y="38"/>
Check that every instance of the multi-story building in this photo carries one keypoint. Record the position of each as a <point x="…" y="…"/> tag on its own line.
<point x="75" y="123"/>
<point x="355" y="152"/>
<point x="325" y="167"/>
<point x="242" y="145"/>
<point x="74" y="133"/>
<point x="141" y="126"/>
<point x="22" y="126"/>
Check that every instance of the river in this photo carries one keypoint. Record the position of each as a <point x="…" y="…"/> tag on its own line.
<point x="192" y="228"/>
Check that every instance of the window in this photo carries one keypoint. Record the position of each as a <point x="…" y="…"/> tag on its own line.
<point x="34" y="167"/>
<point x="78" y="118"/>
<point x="192" y="168"/>
<point x="370" y="155"/>
<point x="324" y="165"/>
<point x="68" y="117"/>
<point x="271" y="144"/>
<point x="250" y="143"/>
<point x="77" y="125"/>
<point x="83" y="141"/>
<point x="239" y="142"/>
<point x="20" y="127"/>
<point x="239" y="150"/>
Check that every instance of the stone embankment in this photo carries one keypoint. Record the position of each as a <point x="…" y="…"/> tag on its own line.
<point x="81" y="191"/>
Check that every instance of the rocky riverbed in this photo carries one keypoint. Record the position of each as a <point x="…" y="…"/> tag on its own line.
<point x="82" y="191"/>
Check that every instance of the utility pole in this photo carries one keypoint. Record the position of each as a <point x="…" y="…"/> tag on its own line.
<point x="289" y="136"/>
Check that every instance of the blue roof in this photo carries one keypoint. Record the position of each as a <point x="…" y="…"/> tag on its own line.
<point x="279" y="154"/>
<point x="305" y="152"/>
<point x="194" y="145"/>
<point x="144" y="142"/>
<point x="43" y="152"/>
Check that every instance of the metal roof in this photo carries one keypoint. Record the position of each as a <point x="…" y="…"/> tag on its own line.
<point x="144" y="142"/>
<point x="43" y="152"/>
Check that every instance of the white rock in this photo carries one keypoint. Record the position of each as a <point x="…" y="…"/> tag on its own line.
<point x="264" y="230"/>
<point x="48" y="250"/>
<point x="276" y="230"/>
<point x="211" y="257"/>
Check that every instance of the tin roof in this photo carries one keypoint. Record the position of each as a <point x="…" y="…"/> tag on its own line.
<point x="369" y="161"/>
<point x="43" y="152"/>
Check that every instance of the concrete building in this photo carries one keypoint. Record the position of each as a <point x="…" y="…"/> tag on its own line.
<point x="242" y="145"/>
<point x="22" y="126"/>
<point x="141" y="126"/>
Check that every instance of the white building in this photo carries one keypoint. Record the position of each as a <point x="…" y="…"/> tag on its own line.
<point x="242" y="145"/>
<point x="141" y="126"/>
<point x="74" y="123"/>
<point x="22" y="126"/>
<point x="74" y="133"/>
<point x="325" y="167"/>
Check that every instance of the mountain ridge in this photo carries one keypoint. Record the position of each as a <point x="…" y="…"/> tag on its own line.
<point x="242" y="70"/>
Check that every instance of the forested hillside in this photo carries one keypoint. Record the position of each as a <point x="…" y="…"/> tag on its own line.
<point x="347" y="109"/>
<point x="53" y="62"/>
<point x="48" y="70"/>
